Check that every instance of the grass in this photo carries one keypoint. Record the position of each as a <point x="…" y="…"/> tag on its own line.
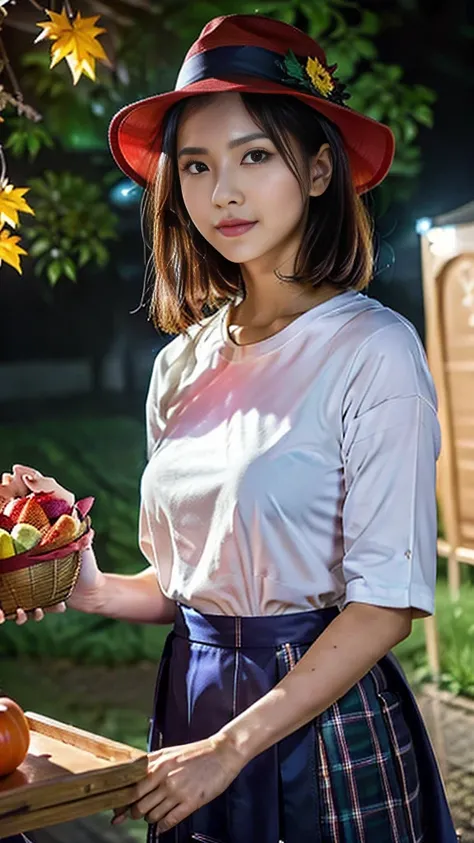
<point x="455" y="623"/>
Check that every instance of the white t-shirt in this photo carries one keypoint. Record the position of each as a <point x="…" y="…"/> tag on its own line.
<point x="297" y="472"/>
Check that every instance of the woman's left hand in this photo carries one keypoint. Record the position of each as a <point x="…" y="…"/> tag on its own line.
<point x="182" y="779"/>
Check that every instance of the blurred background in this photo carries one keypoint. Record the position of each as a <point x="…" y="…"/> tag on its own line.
<point x="76" y="343"/>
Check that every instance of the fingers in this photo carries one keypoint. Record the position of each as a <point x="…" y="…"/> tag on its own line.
<point x="37" y="614"/>
<point x="7" y="486"/>
<point x="26" y="479"/>
<point x="13" y="483"/>
<point x="153" y="807"/>
<point x="159" y="812"/>
<point x="19" y="471"/>
<point x="21" y="617"/>
<point x="120" y="815"/>
<point x="39" y="483"/>
<point x="58" y="608"/>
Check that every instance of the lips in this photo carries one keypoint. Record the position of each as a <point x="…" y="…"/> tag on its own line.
<point x="235" y="227"/>
<point x="231" y="223"/>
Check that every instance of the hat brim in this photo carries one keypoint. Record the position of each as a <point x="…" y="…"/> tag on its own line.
<point x="135" y="131"/>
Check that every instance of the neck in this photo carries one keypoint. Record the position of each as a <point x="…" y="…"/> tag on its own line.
<point x="269" y="300"/>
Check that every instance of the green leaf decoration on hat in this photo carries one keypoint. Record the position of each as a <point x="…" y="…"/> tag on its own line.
<point x="295" y="71"/>
<point x="313" y="77"/>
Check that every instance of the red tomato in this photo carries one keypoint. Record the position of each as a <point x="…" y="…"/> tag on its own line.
<point x="14" y="736"/>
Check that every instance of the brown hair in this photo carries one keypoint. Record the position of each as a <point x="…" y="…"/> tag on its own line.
<point x="192" y="278"/>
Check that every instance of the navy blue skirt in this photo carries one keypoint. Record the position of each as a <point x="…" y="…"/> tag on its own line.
<point x="362" y="772"/>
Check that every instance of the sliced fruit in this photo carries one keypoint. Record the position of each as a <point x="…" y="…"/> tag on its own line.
<point x="25" y="537"/>
<point x="33" y="513"/>
<point x="7" y="548"/>
<point x="60" y="534"/>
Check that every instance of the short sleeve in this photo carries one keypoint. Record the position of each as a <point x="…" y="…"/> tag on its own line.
<point x="166" y="373"/>
<point x="391" y="442"/>
<point x="154" y="426"/>
<point x="153" y="419"/>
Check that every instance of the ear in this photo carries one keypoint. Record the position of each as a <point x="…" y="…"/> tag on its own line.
<point x="321" y="170"/>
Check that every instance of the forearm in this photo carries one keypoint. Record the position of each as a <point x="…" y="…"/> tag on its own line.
<point x="337" y="660"/>
<point x="136" y="598"/>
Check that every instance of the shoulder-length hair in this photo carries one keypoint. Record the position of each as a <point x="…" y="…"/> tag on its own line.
<point x="192" y="278"/>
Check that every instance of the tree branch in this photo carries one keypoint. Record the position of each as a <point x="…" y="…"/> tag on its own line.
<point x="21" y="107"/>
<point x="9" y="69"/>
<point x="38" y="6"/>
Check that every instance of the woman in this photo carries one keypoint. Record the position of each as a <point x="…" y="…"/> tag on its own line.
<point x="288" y="507"/>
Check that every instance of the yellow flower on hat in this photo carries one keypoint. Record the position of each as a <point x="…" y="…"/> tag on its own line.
<point x="320" y="77"/>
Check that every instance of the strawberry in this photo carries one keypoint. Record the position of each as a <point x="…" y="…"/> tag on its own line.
<point x="33" y="513"/>
<point x="14" y="507"/>
<point x="6" y="523"/>
<point x="60" y="534"/>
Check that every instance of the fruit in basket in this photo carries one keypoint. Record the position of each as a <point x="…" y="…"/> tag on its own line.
<point x="53" y="507"/>
<point x="7" y="548"/>
<point x="6" y="523"/>
<point x="13" y="508"/>
<point x="33" y="513"/>
<point x="61" y="533"/>
<point x="25" y="537"/>
<point x="46" y="573"/>
<point x="14" y="736"/>
<point x="39" y="520"/>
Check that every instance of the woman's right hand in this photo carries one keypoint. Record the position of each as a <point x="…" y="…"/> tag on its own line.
<point x="24" y="479"/>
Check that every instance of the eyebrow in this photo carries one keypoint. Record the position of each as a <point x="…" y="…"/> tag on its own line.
<point x="201" y="150"/>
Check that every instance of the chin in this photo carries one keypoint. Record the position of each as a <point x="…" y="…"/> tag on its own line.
<point x="238" y="252"/>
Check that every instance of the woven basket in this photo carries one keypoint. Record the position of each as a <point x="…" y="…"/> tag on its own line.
<point x="36" y="581"/>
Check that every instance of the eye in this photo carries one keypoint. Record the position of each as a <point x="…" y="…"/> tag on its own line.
<point x="189" y="164"/>
<point x="259" y="156"/>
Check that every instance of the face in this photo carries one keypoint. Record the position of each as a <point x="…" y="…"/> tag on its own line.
<point x="228" y="169"/>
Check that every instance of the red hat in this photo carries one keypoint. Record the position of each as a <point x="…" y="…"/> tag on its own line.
<point x="255" y="54"/>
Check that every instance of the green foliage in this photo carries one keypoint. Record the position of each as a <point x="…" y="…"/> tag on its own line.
<point x="458" y="660"/>
<point x="456" y="634"/>
<point x="70" y="225"/>
<point x="73" y="115"/>
<point x="27" y="138"/>
<point x="82" y="639"/>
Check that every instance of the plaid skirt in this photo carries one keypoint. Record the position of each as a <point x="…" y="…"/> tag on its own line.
<point x="361" y="772"/>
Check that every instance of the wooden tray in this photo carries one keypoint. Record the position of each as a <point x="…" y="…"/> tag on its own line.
<point x="68" y="773"/>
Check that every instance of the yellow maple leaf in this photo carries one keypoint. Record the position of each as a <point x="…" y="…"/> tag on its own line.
<point x="10" y="251"/>
<point x="12" y="203"/>
<point x="74" y="40"/>
<point x="78" y="67"/>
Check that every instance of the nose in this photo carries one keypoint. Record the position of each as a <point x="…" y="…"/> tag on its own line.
<point x="226" y="190"/>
